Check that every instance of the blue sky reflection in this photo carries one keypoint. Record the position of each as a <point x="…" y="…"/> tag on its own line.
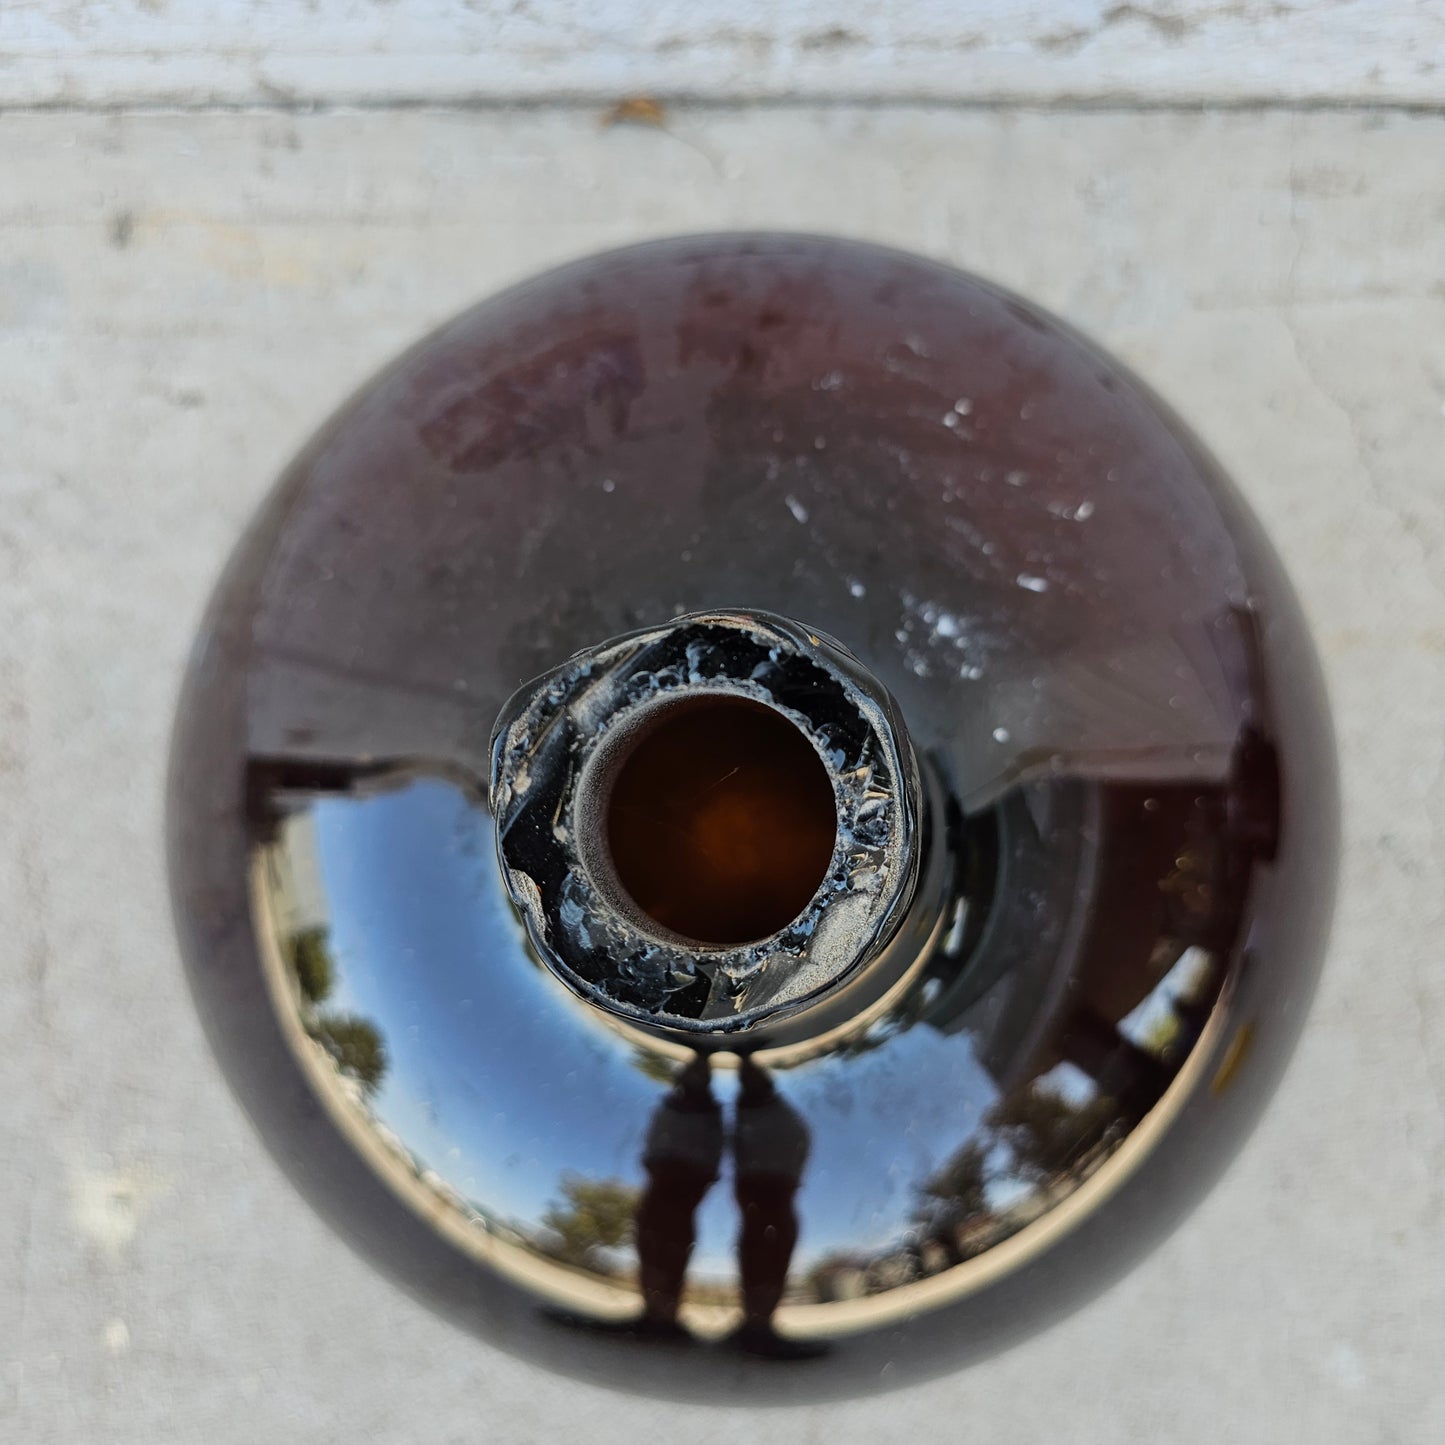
<point x="428" y="947"/>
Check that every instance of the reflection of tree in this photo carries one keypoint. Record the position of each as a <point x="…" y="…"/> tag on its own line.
<point x="593" y="1215"/>
<point x="1045" y="1132"/>
<point x="311" y="958"/>
<point x="836" y="1276"/>
<point x="1165" y="1038"/>
<point x="355" y="1044"/>
<point x="954" y="1200"/>
<point x="958" y="1191"/>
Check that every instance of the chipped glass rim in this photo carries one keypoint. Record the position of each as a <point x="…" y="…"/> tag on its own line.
<point x="545" y="748"/>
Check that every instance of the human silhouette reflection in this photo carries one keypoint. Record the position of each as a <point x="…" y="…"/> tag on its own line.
<point x="770" y="1151"/>
<point x="682" y="1158"/>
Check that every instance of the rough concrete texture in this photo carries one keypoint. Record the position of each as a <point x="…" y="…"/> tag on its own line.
<point x="249" y="52"/>
<point x="182" y="298"/>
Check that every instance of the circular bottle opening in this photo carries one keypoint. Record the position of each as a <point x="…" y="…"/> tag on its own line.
<point x="720" y="820"/>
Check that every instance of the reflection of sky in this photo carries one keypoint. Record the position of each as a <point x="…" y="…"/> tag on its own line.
<point x="1069" y="1081"/>
<point x="1159" y="1006"/>
<point x="428" y="948"/>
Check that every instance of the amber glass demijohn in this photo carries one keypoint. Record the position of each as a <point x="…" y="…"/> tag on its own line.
<point x="753" y="819"/>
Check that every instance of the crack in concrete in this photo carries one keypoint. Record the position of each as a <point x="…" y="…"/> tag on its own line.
<point x="284" y="101"/>
<point x="1424" y="1013"/>
<point x="1289" y="306"/>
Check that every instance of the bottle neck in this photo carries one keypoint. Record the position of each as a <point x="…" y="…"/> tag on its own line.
<point x="715" y="829"/>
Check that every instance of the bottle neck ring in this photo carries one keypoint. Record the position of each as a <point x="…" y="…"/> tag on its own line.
<point x="710" y="827"/>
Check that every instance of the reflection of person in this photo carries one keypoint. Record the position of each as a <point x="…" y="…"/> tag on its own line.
<point x="770" y="1149"/>
<point x="682" y="1157"/>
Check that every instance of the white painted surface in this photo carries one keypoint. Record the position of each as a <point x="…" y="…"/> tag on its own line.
<point x="256" y="52"/>
<point x="183" y="298"/>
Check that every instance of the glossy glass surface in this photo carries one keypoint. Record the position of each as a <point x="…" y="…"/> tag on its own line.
<point x="1090" y="644"/>
<point x="556" y="745"/>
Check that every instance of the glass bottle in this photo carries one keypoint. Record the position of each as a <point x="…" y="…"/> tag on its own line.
<point x="889" y="898"/>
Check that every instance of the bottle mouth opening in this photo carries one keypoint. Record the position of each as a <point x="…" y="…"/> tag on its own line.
<point x="709" y="825"/>
<point x="714" y="817"/>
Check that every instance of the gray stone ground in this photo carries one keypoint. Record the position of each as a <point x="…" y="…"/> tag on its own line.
<point x="183" y="297"/>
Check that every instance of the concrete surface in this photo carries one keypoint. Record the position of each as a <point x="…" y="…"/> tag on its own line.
<point x="247" y="52"/>
<point x="183" y="297"/>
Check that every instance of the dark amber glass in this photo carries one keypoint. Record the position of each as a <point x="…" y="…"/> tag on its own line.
<point x="720" y="821"/>
<point x="1098" y="720"/>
